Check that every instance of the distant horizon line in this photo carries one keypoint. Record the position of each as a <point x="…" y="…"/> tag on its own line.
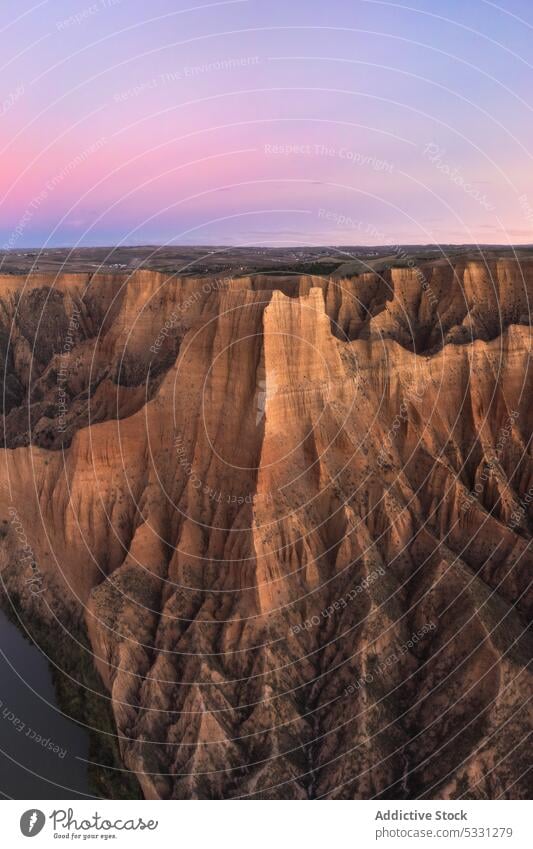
<point x="435" y="245"/>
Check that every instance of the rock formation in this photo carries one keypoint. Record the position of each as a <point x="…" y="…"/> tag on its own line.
<point x="293" y="515"/>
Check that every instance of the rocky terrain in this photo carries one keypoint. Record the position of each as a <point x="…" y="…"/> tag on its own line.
<point x="293" y="516"/>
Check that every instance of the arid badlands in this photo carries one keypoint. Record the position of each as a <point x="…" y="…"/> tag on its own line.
<point x="279" y="524"/>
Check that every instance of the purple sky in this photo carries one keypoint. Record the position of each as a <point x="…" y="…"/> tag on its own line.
<point x="274" y="123"/>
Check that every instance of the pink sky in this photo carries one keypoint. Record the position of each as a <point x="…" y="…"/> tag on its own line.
<point x="246" y="122"/>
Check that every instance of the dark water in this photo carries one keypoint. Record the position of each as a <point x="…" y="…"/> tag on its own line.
<point x="49" y="768"/>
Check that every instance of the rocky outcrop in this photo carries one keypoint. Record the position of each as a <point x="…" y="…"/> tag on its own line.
<point x="294" y="515"/>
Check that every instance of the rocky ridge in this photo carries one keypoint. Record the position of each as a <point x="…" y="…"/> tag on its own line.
<point x="294" y="516"/>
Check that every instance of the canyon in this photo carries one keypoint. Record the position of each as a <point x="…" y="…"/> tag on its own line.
<point x="285" y="519"/>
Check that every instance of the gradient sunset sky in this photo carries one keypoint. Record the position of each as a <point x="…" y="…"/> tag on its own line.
<point x="255" y="122"/>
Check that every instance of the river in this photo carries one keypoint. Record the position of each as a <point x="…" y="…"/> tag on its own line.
<point x="43" y="754"/>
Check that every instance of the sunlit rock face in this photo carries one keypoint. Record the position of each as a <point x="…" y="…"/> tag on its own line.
<point x="293" y="515"/>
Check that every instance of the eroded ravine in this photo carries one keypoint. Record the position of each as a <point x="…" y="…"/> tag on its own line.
<point x="293" y="515"/>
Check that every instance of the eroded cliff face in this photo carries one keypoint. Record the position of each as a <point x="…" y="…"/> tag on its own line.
<point x="294" y="515"/>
